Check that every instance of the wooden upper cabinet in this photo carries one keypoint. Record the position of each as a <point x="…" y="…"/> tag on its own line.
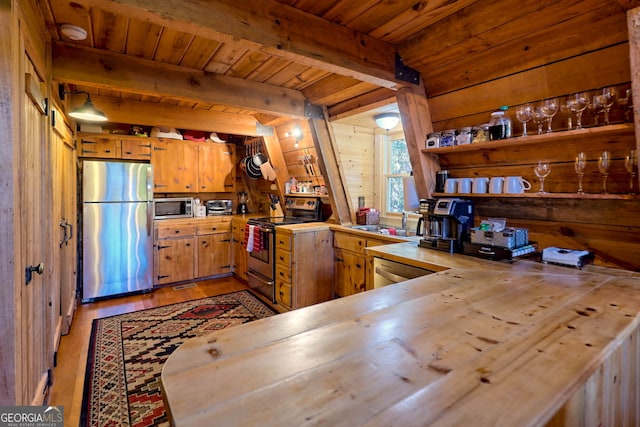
<point x="216" y="167"/>
<point x="175" y="166"/>
<point x="99" y="147"/>
<point x="136" y="149"/>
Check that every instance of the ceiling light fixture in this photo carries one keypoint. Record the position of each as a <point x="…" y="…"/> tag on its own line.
<point x="73" y="32"/>
<point x="387" y="121"/>
<point x="296" y="132"/>
<point x="87" y="112"/>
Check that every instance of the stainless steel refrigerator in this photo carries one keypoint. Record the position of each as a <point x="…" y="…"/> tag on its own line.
<point x="117" y="225"/>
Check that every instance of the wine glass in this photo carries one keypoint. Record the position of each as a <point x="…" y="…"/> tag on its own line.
<point x="542" y="169"/>
<point x="580" y="165"/>
<point x="604" y="164"/>
<point x="523" y="114"/>
<point x="549" y="108"/>
<point x="630" y="164"/>
<point x="579" y="102"/>
<point x="607" y="97"/>
<point x="626" y="104"/>
<point x="538" y="118"/>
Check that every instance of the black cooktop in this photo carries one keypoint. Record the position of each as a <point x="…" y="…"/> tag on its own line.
<point x="279" y="220"/>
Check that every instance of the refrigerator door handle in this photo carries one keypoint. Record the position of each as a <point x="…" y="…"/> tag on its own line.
<point x="149" y="182"/>
<point x="149" y="217"/>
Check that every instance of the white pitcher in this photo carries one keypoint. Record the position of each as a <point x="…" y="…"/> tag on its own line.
<point x="516" y="185"/>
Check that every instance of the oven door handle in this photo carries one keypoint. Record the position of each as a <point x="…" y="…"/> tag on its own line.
<point x="261" y="279"/>
<point x="395" y="278"/>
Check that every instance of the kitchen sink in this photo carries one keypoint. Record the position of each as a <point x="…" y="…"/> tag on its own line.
<point x="383" y="229"/>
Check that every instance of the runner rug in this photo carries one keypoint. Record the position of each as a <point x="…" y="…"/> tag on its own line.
<point x="127" y="351"/>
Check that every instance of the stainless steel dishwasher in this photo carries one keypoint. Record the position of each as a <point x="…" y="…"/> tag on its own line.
<point x="389" y="272"/>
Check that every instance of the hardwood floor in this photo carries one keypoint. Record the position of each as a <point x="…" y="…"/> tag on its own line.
<point x="68" y="376"/>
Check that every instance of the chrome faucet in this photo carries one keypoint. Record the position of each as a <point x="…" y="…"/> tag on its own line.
<point x="405" y="214"/>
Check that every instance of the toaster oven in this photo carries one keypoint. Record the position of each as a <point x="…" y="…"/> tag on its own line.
<point x="219" y="207"/>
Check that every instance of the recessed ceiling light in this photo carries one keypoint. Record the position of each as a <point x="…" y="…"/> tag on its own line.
<point x="73" y="32"/>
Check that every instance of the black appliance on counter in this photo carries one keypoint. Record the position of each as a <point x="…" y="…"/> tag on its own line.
<point x="448" y="222"/>
<point x="261" y="264"/>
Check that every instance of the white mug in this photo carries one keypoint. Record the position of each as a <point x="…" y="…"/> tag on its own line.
<point x="515" y="185"/>
<point x="480" y="185"/>
<point x="451" y="185"/>
<point x="464" y="185"/>
<point x="495" y="184"/>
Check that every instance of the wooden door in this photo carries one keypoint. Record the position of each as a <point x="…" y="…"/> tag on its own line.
<point x="175" y="165"/>
<point x="136" y="148"/>
<point x="350" y="273"/>
<point x="64" y="214"/>
<point x="214" y="254"/>
<point x="39" y="303"/>
<point x="216" y="167"/>
<point x="175" y="260"/>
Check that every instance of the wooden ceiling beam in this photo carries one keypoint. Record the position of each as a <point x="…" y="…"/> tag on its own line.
<point x="274" y="28"/>
<point x="152" y="114"/>
<point x="107" y="70"/>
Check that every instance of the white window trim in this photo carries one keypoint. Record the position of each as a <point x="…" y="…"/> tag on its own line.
<point x="380" y="187"/>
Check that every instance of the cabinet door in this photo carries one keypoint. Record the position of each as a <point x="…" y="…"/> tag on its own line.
<point x="96" y="146"/>
<point x="240" y="255"/>
<point x="214" y="254"/>
<point x="350" y="273"/>
<point x="174" y="260"/>
<point x="216" y="167"/>
<point x="175" y="166"/>
<point x="138" y="149"/>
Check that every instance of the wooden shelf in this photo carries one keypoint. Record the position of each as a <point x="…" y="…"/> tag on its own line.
<point x="608" y="131"/>
<point x="534" y="195"/>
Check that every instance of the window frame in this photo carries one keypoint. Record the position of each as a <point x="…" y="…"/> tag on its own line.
<point x="383" y="166"/>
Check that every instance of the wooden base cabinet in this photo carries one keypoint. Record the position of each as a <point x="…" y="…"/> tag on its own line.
<point x="175" y="252"/>
<point x="188" y="249"/>
<point x="214" y="246"/>
<point x="304" y="270"/>
<point x="240" y="255"/>
<point x="352" y="266"/>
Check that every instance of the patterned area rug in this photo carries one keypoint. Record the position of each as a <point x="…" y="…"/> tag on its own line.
<point x="126" y="354"/>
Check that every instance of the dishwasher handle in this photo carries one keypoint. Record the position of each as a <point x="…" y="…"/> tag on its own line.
<point x="395" y="278"/>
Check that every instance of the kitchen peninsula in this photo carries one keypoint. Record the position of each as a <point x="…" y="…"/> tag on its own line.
<point x="526" y="344"/>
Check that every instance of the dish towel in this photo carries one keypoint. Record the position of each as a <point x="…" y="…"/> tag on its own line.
<point x="252" y="238"/>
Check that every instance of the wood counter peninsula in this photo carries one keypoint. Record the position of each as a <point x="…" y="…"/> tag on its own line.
<point x="488" y="344"/>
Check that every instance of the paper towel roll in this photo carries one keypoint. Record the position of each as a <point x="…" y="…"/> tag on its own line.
<point x="411" y="202"/>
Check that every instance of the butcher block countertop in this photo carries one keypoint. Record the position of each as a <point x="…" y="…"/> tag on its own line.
<point x="482" y="343"/>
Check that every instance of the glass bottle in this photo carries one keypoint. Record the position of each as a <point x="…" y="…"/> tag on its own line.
<point x="500" y="124"/>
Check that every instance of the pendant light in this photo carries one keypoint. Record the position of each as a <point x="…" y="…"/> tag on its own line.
<point x="86" y="112"/>
<point x="387" y="121"/>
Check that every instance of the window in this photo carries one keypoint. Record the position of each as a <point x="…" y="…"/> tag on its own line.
<point x="395" y="168"/>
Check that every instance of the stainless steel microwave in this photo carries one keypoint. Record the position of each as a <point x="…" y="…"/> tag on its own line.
<point x="173" y="207"/>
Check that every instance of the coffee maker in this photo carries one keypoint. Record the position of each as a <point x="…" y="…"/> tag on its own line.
<point x="242" y="203"/>
<point x="447" y="223"/>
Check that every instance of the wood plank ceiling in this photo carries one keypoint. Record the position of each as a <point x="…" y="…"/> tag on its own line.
<point x="266" y="58"/>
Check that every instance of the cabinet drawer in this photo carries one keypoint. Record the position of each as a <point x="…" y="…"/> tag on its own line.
<point x="168" y="231"/>
<point x="349" y="242"/>
<point x="283" y="273"/>
<point x="283" y="241"/>
<point x="284" y="258"/>
<point x="283" y="293"/>
<point x="211" y="227"/>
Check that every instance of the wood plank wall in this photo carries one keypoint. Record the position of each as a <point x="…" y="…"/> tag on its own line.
<point x="548" y="65"/>
<point x="356" y="151"/>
